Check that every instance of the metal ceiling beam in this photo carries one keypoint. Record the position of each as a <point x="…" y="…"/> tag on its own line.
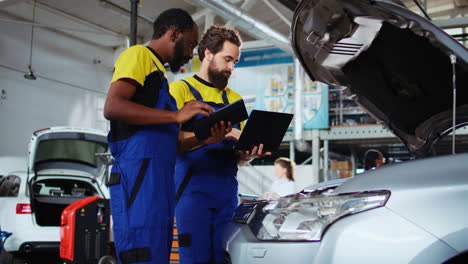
<point x="277" y="12"/>
<point x="248" y="23"/>
<point x="450" y="12"/>
<point x="200" y="14"/>
<point x="209" y="20"/>
<point x="452" y="22"/>
<point x="124" y="11"/>
<point x="65" y="24"/>
<point x="5" y="3"/>
<point x="133" y="21"/>
<point x="289" y="4"/>
<point x="247" y="5"/>
<point x="256" y="44"/>
<point x="77" y="19"/>
<point x="58" y="30"/>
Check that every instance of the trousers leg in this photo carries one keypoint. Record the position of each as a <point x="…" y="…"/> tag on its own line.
<point x="195" y="230"/>
<point x="142" y="228"/>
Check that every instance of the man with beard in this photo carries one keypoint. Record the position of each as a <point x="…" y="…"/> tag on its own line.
<point x="143" y="139"/>
<point x="205" y="176"/>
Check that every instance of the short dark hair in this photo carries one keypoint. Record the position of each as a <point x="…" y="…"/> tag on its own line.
<point x="214" y="38"/>
<point x="174" y="17"/>
<point x="370" y="158"/>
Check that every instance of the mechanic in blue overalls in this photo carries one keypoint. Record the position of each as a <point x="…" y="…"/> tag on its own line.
<point x="205" y="176"/>
<point x="143" y="139"/>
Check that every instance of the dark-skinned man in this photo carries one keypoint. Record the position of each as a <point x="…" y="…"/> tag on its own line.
<point x="143" y="139"/>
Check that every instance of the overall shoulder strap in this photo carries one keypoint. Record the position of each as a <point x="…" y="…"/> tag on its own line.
<point x="159" y="70"/>
<point x="194" y="91"/>
<point x="225" y="98"/>
<point x="163" y="77"/>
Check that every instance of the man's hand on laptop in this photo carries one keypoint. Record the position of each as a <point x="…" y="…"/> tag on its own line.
<point x="234" y="134"/>
<point x="218" y="132"/>
<point x="248" y="156"/>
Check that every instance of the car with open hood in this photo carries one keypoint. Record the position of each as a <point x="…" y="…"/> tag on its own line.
<point x="63" y="166"/>
<point x="403" y="70"/>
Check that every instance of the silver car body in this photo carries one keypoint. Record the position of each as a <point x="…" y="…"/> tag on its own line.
<point x="402" y="69"/>
<point x="424" y="221"/>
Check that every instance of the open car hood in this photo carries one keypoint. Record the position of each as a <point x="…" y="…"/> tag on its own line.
<point x="66" y="151"/>
<point x="394" y="63"/>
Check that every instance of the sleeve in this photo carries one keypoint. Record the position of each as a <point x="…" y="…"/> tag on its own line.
<point x="133" y="63"/>
<point x="178" y="90"/>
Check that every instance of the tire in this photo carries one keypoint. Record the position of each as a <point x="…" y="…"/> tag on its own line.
<point x="8" y="258"/>
<point x="107" y="260"/>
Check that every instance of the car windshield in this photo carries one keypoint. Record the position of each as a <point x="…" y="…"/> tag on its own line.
<point x="74" y="150"/>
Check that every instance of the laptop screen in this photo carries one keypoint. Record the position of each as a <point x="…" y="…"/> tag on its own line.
<point x="264" y="127"/>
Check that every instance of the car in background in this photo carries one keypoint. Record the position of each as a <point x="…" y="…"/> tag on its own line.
<point x="402" y="69"/>
<point x="62" y="167"/>
<point x="9" y="185"/>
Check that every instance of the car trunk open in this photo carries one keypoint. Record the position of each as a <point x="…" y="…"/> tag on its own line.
<point x="50" y="196"/>
<point x="66" y="169"/>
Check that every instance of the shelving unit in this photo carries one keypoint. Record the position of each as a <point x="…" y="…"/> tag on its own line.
<point x="344" y="111"/>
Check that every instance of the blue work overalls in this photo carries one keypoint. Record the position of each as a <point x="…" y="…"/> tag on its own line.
<point x="206" y="187"/>
<point x="142" y="188"/>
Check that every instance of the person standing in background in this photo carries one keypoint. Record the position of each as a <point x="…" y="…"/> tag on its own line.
<point x="143" y="139"/>
<point x="373" y="159"/>
<point x="284" y="184"/>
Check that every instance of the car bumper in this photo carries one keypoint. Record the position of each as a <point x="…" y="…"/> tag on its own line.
<point x="32" y="238"/>
<point x="39" y="247"/>
<point x="376" y="236"/>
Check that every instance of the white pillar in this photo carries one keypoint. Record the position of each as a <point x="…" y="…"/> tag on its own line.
<point x="315" y="155"/>
<point x="325" y="160"/>
<point x="292" y="154"/>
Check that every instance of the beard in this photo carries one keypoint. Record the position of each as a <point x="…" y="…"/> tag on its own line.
<point x="219" y="79"/>
<point x="179" y="57"/>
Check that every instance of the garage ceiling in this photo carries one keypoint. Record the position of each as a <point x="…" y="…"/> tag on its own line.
<point x="107" y="22"/>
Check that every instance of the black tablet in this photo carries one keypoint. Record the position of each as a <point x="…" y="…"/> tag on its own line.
<point x="234" y="113"/>
<point x="264" y="127"/>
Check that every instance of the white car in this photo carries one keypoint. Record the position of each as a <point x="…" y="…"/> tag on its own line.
<point x="62" y="167"/>
<point x="402" y="69"/>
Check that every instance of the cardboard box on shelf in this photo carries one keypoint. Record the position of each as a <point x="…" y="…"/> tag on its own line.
<point x="345" y="173"/>
<point x="337" y="174"/>
<point x="341" y="165"/>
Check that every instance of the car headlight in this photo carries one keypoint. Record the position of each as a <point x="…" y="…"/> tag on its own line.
<point x="304" y="216"/>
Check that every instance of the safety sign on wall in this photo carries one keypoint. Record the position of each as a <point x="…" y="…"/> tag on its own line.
<point x="271" y="88"/>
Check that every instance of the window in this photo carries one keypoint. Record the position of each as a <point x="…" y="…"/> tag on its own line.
<point x="9" y="186"/>
<point x="73" y="150"/>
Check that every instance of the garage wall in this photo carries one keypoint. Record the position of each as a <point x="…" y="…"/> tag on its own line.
<point x="72" y="81"/>
<point x="256" y="180"/>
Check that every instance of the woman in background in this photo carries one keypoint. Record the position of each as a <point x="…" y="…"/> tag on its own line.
<point x="284" y="184"/>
